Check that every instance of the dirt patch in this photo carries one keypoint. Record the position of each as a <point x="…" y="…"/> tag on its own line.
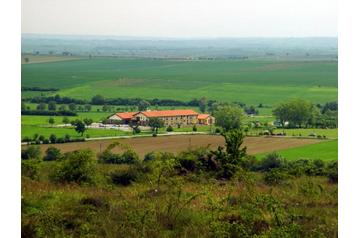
<point x="179" y="143"/>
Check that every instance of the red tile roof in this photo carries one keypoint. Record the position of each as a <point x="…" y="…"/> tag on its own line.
<point x="169" y="113"/>
<point x="125" y="115"/>
<point x="203" y="116"/>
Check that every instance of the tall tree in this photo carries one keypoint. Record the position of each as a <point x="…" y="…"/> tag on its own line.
<point x="202" y="104"/>
<point x="52" y="106"/>
<point x="80" y="127"/>
<point x="228" y="117"/>
<point x="155" y="124"/>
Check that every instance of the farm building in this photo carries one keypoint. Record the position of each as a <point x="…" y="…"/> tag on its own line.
<point x="206" y="119"/>
<point x="121" y="117"/>
<point x="170" y="117"/>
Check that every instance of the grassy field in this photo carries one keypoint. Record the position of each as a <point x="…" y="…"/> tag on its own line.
<point x="327" y="150"/>
<point x="251" y="82"/>
<point x="35" y="59"/>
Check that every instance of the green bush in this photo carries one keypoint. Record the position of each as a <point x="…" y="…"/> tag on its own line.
<point x="194" y="128"/>
<point x="124" y="178"/>
<point x="31" y="152"/>
<point x="169" y="128"/>
<point x="129" y="157"/>
<point x="275" y="177"/>
<point x="272" y="161"/>
<point x="52" y="153"/>
<point x="53" y="138"/>
<point x="77" y="166"/>
<point x="30" y="168"/>
<point x="332" y="172"/>
<point x="151" y="156"/>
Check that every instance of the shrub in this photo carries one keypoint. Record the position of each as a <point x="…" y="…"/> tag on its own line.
<point x="31" y="152"/>
<point x="95" y="202"/>
<point x="129" y="157"/>
<point x="53" y="138"/>
<point x="169" y="128"/>
<point x="151" y="156"/>
<point x="52" y="153"/>
<point x="41" y="138"/>
<point x="272" y="161"/>
<point x="188" y="162"/>
<point x="124" y="178"/>
<point x="26" y="139"/>
<point x="154" y="134"/>
<point x="332" y="172"/>
<point x="217" y="130"/>
<point x="46" y="141"/>
<point x="194" y="128"/>
<point x="60" y="140"/>
<point x="77" y="166"/>
<point x="275" y="177"/>
<point x="67" y="138"/>
<point x="136" y="130"/>
<point x="30" y="168"/>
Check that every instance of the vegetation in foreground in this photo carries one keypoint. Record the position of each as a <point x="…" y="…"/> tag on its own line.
<point x="198" y="193"/>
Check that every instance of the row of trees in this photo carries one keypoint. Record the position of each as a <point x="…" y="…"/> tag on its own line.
<point x="301" y="113"/>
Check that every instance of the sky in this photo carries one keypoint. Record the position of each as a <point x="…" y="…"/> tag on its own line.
<point x="182" y="18"/>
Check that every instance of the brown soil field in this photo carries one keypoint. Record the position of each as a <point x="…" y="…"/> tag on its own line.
<point x="179" y="143"/>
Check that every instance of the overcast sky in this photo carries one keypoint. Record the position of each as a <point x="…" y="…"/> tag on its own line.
<point x="182" y="18"/>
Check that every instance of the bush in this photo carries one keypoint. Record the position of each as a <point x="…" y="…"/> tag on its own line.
<point x="60" y="140"/>
<point x="46" y="141"/>
<point x="41" y="138"/>
<point x="151" y="156"/>
<point x="136" y="130"/>
<point x="124" y="178"/>
<point x="77" y="166"/>
<point x="332" y="172"/>
<point x="154" y="134"/>
<point x="31" y="152"/>
<point x="30" y="168"/>
<point x="129" y="157"/>
<point x="67" y="138"/>
<point x="53" y="138"/>
<point x="52" y="153"/>
<point x="170" y="128"/>
<point x="26" y="139"/>
<point x="194" y="128"/>
<point x="188" y="162"/>
<point x="217" y="130"/>
<point x="275" y="177"/>
<point x="272" y="161"/>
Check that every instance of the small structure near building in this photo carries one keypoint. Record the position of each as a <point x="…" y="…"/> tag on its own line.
<point x="206" y="119"/>
<point x="121" y="118"/>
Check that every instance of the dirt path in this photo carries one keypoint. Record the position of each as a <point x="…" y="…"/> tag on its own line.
<point x="179" y="143"/>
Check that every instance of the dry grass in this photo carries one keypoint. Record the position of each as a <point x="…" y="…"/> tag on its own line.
<point x="177" y="144"/>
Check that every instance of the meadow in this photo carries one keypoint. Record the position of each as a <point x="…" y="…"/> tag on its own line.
<point x="248" y="81"/>
<point x="326" y="150"/>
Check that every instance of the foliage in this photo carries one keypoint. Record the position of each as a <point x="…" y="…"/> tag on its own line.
<point x="31" y="152"/>
<point x="80" y="127"/>
<point x="127" y="157"/>
<point x="170" y="128"/>
<point x="52" y="153"/>
<point x="275" y="177"/>
<point x="143" y="105"/>
<point x="155" y="123"/>
<point x="30" y="168"/>
<point x="77" y="166"/>
<point x="272" y="161"/>
<point x="228" y="117"/>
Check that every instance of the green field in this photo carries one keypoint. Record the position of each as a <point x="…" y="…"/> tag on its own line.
<point x="327" y="150"/>
<point x="251" y="82"/>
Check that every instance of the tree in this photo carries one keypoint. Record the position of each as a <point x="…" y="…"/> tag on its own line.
<point x="88" y="121"/>
<point x="88" y="107"/>
<point x="51" y="120"/>
<point x="62" y="108"/>
<point x="202" y="104"/>
<point x="26" y="60"/>
<point x="72" y="107"/>
<point x="41" y="107"/>
<point x="106" y="108"/>
<point x="297" y="112"/>
<point x="53" y="138"/>
<point x="228" y="117"/>
<point x="31" y="152"/>
<point x="52" y="153"/>
<point x="65" y="120"/>
<point x="155" y="124"/>
<point x="80" y="127"/>
<point x="143" y="105"/>
<point x="51" y="106"/>
<point x="234" y="139"/>
<point x="23" y="106"/>
<point x="98" y="100"/>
